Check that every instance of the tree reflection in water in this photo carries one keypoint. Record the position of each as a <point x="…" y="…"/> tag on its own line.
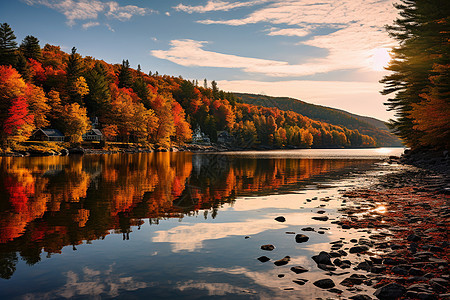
<point x="47" y="203"/>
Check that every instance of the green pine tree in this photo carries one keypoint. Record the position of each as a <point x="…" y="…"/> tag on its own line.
<point x="125" y="78"/>
<point x="8" y="45"/>
<point x="74" y="70"/>
<point x="99" y="97"/>
<point x="23" y="67"/>
<point x="30" y="48"/>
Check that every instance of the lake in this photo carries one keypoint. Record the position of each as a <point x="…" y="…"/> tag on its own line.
<point x="172" y="225"/>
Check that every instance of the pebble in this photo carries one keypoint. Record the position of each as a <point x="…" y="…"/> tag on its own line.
<point x="300" y="281"/>
<point x="268" y="247"/>
<point x="284" y="261"/>
<point x="280" y="219"/>
<point x="263" y="259"/>
<point x="299" y="269"/>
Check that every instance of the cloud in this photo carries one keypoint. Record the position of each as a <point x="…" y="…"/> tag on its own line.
<point x="289" y="31"/>
<point x="75" y="10"/>
<point x="92" y="284"/>
<point x="216" y="5"/>
<point x="191" y="237"/>
<point x="190" y="53"/>
<point x="90" y="24"/>
<point x="124" y="13"/>
<point x="213" y="288"/>
<point x="356" y="30"/>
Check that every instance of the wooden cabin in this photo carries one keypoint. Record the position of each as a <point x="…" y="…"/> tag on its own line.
<point x="48" y="134"/>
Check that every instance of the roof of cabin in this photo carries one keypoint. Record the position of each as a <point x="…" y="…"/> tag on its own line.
<point x="50" y="132"/>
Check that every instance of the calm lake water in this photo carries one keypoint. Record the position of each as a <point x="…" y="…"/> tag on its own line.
<point x="171" y="225"/>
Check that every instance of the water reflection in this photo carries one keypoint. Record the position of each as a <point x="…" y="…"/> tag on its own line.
<point x="49" y="203"/>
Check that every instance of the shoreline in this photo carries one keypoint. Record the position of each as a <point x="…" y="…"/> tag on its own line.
<point x="193" y="148"/>
<point x="406" y="252"/>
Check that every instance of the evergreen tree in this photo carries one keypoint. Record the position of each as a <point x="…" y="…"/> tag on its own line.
<point x="30" y="48"/>
<point x="125" y="78"/>
<point x="215" y="89"/>
<point x="99" y="97"/>
<point x="23" y="67"/>
<point x="140" y="88"/>
<point x="205" y="83"/>
<point x="8" y="45"/>
<point x="422" y="31"/>
<point x="73" y="71"/>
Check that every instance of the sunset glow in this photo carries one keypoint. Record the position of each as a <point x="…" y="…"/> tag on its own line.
<point x="380" y="59"/>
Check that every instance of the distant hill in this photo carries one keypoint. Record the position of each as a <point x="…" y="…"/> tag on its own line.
<point x="365" y="125"/>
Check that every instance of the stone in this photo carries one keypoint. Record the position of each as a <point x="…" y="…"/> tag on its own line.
<point x="399" y="271"/>
<point x="322" y="258"/>
<point x="268" y="247"/>
<point x="263" y="259"/>
<point x="361" y="297"/>
<point x="413" y="238"/>
<point x="301" y="238"/>
<point x="299" y="269"/>
<point x="283" y="261"/>
<point x="366" y="266"/>
<point x="390" y="291"/>
<point x="300" y="281"/>
<point x="416" y="272"/>
<point x="335" y="290"/>
<point x="326" y="267"/>
<point x="280" y="219"/>
<point x="376" y="259"/>
<point x="324" y="283"/>
<point x="321" y="218"/>
<point x="359" y="249"/>
<point x="308" y="229"/>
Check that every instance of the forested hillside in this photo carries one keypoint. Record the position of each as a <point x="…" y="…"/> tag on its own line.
<point x="365" y="125"/>
<point x="48" y="88"/>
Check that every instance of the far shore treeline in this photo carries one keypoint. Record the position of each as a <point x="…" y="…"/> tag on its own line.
<point x="48" y="88"/>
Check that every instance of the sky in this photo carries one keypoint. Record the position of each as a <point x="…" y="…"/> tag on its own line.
<point x="328" y="52"/>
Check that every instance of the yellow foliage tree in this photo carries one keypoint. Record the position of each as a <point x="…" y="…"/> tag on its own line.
<point x="81" y="86"/>
<point x="37" y="104"/>
<point x="75" y="121"/>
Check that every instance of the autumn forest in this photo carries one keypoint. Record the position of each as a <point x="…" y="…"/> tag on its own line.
<point x="48" y="88"/>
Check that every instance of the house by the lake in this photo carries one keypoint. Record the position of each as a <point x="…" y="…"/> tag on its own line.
<point x="48" y="134"/>
<point x="93" y="135"/>
<point x="198" y="137"/>
<point x="223" y="137"/>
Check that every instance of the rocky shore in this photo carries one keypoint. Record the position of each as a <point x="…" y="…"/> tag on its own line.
<point x="405" y="251"/>
<point x="395" y="236"/>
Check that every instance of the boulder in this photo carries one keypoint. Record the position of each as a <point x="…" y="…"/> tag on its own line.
<point x="322" y="258"/>
<point x="301" y="238"/>
<point x="390" y="291"/>
<point x="324" y="283"/>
